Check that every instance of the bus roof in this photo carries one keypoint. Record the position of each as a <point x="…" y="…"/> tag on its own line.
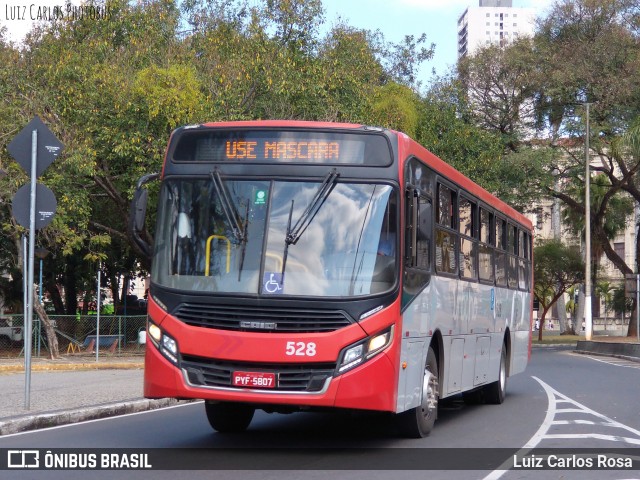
<point x="281" y="124"/>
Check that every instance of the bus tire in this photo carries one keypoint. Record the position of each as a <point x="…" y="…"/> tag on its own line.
<point x="229" y="417"/>
<point x="418" y="422"/>
<point x="495" y="392"/>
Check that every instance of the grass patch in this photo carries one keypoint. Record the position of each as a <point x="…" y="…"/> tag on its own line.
<point x="556" y="339"/>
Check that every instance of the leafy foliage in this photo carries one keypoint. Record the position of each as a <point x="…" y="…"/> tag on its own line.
<point x="556" y="269"/>
<point x="112" y="90"/>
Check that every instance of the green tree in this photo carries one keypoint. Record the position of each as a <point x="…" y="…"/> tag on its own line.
<point x="556" y="269"/>
<point x="395" y="106"/>
<point x="572" y="308"/>
<point x="609" y="211"/>
<point x="604" y="291"/>
<point x="113" y="90"/>
<point x="500" y="83"/>
<point x="447" y="127"/>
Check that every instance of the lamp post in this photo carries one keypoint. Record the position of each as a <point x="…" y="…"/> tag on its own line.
<point x="588" y="320"/>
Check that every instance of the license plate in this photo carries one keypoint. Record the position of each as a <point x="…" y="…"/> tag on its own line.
<point x="254" y="379"/>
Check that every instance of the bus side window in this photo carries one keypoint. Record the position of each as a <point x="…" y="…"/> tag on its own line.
<point x="419" y="230"/>
<point x="500" y="255"/>
<point x="418" y="235"/>
<point x="486" y="252"/>
<point x="446" y="200"/>
<point x="424" y="233"/>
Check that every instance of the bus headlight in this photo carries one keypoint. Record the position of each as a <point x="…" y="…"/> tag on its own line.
<point x="378" y="342"/>
<point x="352" y="357"/>
<point x="155" y="333"/>
<point x="362" y="351"/>
<point x="163" y="342"/>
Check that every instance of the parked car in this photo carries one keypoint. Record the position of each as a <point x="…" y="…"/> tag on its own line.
<point x="8" y="333"/>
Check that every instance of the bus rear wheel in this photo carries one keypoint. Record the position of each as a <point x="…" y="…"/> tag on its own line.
<point x="495" y="392"/>
<point x="418" y="422"/>
<point x="229" y="417"/>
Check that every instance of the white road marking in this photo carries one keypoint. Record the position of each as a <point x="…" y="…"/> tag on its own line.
<point x="554" y="398"/>
<point x="616" y="362"/>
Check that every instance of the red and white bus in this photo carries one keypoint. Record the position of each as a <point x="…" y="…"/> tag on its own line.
<point x="302" y="265"/>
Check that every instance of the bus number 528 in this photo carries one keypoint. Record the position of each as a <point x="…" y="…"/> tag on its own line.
<point x="301" y="349"/>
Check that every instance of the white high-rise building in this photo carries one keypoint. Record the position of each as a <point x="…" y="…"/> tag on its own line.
<point x="493" y="22"/>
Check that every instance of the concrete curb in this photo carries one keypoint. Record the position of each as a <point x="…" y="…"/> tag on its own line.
<point x="54" y="419"/>
<point x="45" y="367"/>
<point x="626" y="351"/>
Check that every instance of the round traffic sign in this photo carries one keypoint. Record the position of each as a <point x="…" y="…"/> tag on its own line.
<point x="46" y="205"/>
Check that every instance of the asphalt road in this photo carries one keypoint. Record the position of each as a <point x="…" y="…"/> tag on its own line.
<point x="563" y="401"/>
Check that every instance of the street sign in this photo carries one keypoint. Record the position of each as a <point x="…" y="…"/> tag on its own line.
<point x="46" y="205"/>
<point x="49" y="147"/>
<point x="34" y="148"/>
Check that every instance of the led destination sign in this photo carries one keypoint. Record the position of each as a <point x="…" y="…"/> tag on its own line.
<point x="297" y="151"/>
<point x="208" y="145"/>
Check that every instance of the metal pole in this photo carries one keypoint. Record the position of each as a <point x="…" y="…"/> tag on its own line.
<point x="587" y="206"/>
<point x="32" y="245"/>
<point x="39" y="335"/>
<point x="638" y="306"/>
<point x="98" y="314"/>
<point x="25" y="290"/>
<point x="40" y="283"/>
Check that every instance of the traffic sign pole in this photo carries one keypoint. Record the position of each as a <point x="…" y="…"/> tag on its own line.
<point x="32" y="244"/>
<point x="34" y="152"/>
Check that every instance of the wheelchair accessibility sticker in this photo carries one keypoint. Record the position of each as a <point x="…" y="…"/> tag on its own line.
<point x="272" y="283"/>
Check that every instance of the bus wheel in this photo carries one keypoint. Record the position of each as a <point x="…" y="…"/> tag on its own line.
<point x="418" y="422"/>
<point x="494" y="393"/>
<point x="229" y="417"/>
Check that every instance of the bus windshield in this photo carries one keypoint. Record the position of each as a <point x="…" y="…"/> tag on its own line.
<point x="348" y="247"/>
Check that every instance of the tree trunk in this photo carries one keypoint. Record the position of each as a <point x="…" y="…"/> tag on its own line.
<point x="562" y="316"/>
<point x="541" y="321"/>
<point x="115" y="291"/>
<point x="52" y="340"/>
<point x="580" y="307"/>
<point x="54" y="294"/>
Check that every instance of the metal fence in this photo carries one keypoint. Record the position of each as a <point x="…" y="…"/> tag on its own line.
<point x="76" y="334"/>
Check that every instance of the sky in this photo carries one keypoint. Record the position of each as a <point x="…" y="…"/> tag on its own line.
<point x="397" y="18"/>
<point x="394" y="18"/>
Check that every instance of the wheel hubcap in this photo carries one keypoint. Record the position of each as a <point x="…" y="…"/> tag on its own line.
<point x="429" y="393"/>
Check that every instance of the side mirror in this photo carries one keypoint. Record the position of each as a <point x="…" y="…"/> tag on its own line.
<point x="140" y="200"/>
<point x="138" y="212"/>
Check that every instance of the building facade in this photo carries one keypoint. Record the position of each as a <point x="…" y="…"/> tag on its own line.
<point x="493" y="22"/>
<point x="547" y="220"/>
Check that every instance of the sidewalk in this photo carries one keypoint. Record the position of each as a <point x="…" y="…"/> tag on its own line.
<point x="71" y="389"/>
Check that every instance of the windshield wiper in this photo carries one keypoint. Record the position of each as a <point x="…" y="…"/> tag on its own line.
<point x="325" y="189"/>
<point x="228" y="208"/>
<point x="294" y="234"/>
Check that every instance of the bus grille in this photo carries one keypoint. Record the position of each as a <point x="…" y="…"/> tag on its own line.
<point x="260" y="319"/>
<point x="290" y="377"/>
